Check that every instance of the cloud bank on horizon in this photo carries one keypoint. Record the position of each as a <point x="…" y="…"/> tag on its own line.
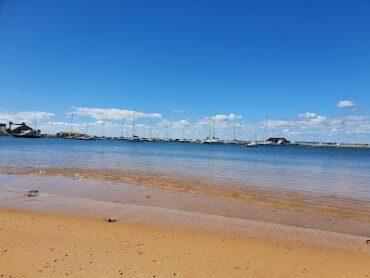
<point x="306" y="126"/>
<point x="25" y="116"/>
<point x="113" y="114"/>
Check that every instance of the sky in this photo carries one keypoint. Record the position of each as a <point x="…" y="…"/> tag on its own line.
<point x="298" y="69"/>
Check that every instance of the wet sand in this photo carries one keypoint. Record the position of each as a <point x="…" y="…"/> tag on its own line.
<point x="92" y="197"/>
<point x="289" y="200"/>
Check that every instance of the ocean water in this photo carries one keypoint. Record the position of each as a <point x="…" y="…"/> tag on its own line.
<point x="324" y="171"/>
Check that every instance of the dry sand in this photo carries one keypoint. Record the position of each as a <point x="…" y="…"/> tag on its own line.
<point x="52" y="245"/>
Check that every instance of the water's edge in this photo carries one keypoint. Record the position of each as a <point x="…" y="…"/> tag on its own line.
<point x="299" y="209"/>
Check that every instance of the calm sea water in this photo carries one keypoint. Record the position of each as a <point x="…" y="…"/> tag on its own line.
<point x="333" y="171"/>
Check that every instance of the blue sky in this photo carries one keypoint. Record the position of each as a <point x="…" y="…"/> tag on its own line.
<point x="186" y="60"/>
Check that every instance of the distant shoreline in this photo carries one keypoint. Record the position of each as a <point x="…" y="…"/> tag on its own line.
<point x="221" y="142"/>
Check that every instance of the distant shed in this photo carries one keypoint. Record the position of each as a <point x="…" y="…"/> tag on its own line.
<point x="18" y="130"/>
<point x="2" y="128"/>
<point x="64" y="134"/>
<point x="278" y="140"/>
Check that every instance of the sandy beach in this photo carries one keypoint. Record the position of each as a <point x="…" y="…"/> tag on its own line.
<point x="52" y="245"/>
<point x="184" y="139"/>
<point x="62" y="230"/>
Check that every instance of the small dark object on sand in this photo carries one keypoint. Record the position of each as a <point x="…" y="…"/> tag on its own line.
<point x="367" y="241"/>
<point x="33" y="193"/>
<point x="111" y="220"/>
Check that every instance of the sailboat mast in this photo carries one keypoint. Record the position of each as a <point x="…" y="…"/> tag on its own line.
<point x="266" y="128"/>
<point x="133" y="124"/>
<point x="234" y="130"/>
<point x="87" y="126"/>
<point x="214" y="125"/>
<point x="183" y="132"/>
<point x="70" y="126"/>
<point x="150" y="129"/>
<point x="255" y="134"/>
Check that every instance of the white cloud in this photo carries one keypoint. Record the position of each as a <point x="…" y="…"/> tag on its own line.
<point x="25" y="116"/>
<point x="346" y="104"/>
<point x="230" y="117"/>
<point x="113" y="113"/>
<point x="307" y="115"/>
<point x="178" y="124"/>
<point x="304" y="127"/>
<point x="303" y="121"/>
<point x="221" y="120"/>
<point x="183" y="122"/>
<point x="308" y="126"/>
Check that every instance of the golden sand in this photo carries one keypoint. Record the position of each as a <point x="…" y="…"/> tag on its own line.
<point x="51" y="245"/>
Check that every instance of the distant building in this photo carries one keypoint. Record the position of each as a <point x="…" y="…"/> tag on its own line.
<point x="278" y="140"/>
<point x="2" y="128"/>
<point x="64" y="134"/>
<point x="18" y="130"/>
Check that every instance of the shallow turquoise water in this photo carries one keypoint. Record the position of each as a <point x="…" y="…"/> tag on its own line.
<point x="333" y="171"/>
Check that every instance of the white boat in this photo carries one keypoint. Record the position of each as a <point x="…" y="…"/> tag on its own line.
<point x="134" y="138"/>
<point x="252" y="144"/>
<point x="212" y="140"/>
<point x="86" y="137"/>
